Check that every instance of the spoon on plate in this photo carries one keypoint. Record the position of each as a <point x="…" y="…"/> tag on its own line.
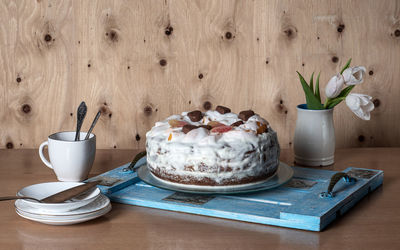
<point x="7" y="198"/>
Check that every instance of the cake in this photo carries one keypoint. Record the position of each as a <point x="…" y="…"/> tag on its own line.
<point x="214" y="148"/>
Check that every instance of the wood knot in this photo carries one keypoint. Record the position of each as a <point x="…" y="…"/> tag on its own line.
<point x="335" y="59"/>
<point x="168" y="30"/>
<point x="115" y="146"/>
<point x="47" y="38"/>
<point x="89" y="65"/>
<point x="201" y="76"/>
<point x="18" y="79"/>
<point x="137" y="137"/>
<point x="148" y="110"/>
<point x="163" y="62"/>
<point x="340" y="28"/>
<point x="9" y="145"/>
<point x="26" y="108"/>
<point x="397" y="33"/>
<point x="105" y="111"/>
<point x="207" y="105"/>
<point x="228" y="35"/>
<point x="112" y="35"/>
<point x="281" y="107"/>
<point x="376" y="102"/>
<point x="267" y="61"/>
<point x="361" y="138"/>
<point x="371" y="72"/>
<point x="290" y="32"/>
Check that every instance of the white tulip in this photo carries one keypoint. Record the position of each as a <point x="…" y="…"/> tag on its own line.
<point x="361" y="105"/>
<point x="334" y="86"/>
<point x="354" y="75"/>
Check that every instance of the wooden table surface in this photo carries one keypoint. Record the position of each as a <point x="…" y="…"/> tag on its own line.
<point x="374" y="223"/>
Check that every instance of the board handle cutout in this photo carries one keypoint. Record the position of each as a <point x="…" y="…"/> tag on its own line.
<point x="335" y="179"/>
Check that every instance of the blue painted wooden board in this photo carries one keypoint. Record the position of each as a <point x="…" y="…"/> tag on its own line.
<point x="295" y="205"/>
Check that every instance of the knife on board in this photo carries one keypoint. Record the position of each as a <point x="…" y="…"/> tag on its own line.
<point x="69" y="193"/>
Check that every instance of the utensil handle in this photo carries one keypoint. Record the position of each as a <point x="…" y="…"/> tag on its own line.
<point x="93" y="124"/>
<point x="78" y="131"/>
<point x="131" y="166"/>
<point x="8" y="198"/>
<point x="81" y="113"/>
<point x="42" y="157"/>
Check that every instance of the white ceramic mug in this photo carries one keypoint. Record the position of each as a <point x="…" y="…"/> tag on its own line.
<point x="71" y="160"/>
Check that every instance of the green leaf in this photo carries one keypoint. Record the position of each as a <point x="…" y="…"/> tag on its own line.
<point x="346" y="66"/>
<point x="342" y="96"/>
<point x="346" y="91"/>
<point x="317" y="94"/>
<point x="334" y="102"/>
<point x="311" y="99"/>
<point x="312" y="82"/>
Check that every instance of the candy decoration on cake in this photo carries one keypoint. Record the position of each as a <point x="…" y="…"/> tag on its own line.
<point x="214" y="148"/>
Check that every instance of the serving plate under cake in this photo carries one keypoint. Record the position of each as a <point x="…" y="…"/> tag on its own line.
<point x="283" y="174"/>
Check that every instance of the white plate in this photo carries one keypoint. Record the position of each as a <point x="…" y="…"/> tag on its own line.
<point x="283" y="174"/>
<point x="43" y="190"/>
<point x="99" y="203"/>
<point x="60" y="221"/>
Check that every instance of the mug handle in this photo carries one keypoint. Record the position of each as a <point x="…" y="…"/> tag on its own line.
<point x="42" y="157"/>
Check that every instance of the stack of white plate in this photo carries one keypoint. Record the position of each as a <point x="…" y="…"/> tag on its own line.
<point x="88" y="206"/>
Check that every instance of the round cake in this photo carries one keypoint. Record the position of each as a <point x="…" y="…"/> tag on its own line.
<point x="215" y="148"/>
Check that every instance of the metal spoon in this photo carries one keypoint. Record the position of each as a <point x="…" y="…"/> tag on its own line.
<point x="93" y="124"/>
<point x="81" y="113"/>
<point x="7" y="198"/>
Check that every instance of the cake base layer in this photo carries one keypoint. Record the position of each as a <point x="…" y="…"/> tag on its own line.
<point x="211" y="188"/>
<point x="206" y="181"/>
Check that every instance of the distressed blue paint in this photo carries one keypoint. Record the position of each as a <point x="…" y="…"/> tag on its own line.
<point x="283" y="206"/>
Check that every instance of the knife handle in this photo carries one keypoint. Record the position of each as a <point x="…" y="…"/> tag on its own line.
<point x="70" y="193"/>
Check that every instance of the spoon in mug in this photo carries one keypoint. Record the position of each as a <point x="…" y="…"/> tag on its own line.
<point x="81" y="113"/>
<point x="93" y="124"/>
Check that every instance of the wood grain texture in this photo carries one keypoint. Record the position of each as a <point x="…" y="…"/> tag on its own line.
<point x="374" y="223"/>
<point x="141" y="61"/>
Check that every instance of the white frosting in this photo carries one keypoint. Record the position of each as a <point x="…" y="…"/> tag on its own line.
<point x="240" y="150"/>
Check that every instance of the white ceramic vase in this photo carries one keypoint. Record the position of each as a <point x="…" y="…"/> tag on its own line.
<point x="314" y="137"/>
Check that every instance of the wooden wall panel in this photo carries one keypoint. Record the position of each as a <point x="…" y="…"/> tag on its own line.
<point x="141" y="61"/>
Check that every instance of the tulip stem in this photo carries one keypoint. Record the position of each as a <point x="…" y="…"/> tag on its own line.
<point x="326" y="103"/>
<point x="330" y="103"/>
